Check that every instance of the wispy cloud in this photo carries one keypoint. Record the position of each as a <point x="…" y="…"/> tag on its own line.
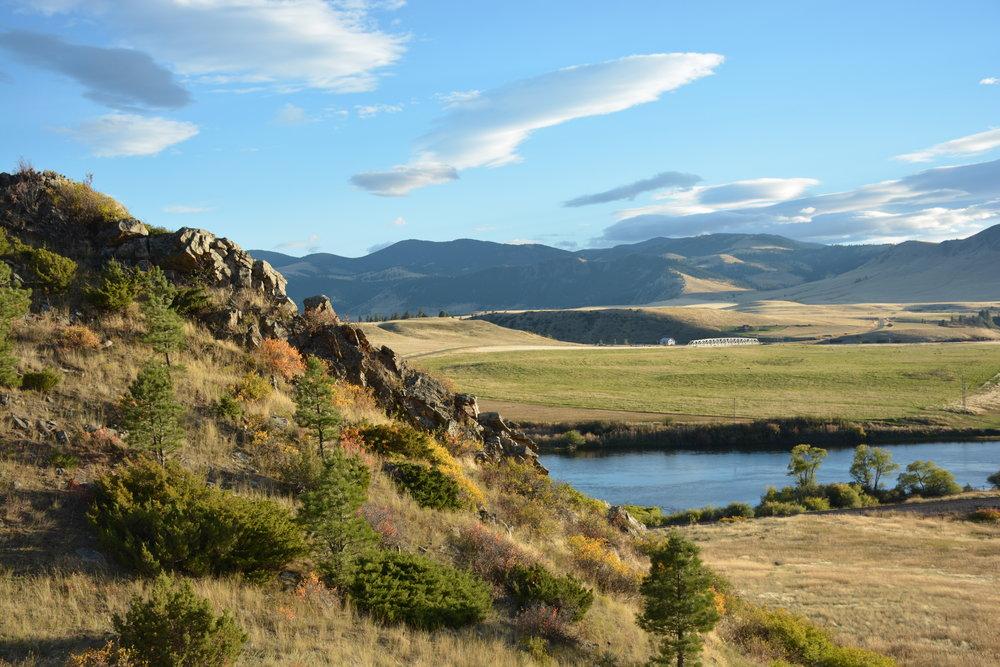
<point x="291" y="114"/>
<point x="309" y="244"/>
<point x="968" y="145"/>
<point x="989" y="81"/>
<point x="129" y="135"/>
<point x="935" y="204"/>
<point x="291" y="44"/>
<point x="488" y="131"/>
<point x="118" y="78"/>
<point x="399" y="222"/>
<point x="186" y="209"/>
<point x="369" y="110"/>
<point x="666" y="179"/>
<point x="457" y="98"/>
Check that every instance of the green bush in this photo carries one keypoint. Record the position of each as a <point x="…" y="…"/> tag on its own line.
<point x="229" y="408"/>
<point x="798" y="641"/>
<point x="252" y="388"/>
<point x="51" y="271"/>
<point x="816" y="504"/>
<point x="928" y="480"/>
<point x="173" y="627"/>
<point x="737" y="511"/>
<point x="848" y="495"/>
<point x="534" y="585"/>
<point x="44" y="380"/>
<point x="397" y="439"/>
<point x="117" y="288"/>
<point x="650" y="516"/>
<point x="161" y="518"/>
<point x="428" y="486"/>
<point x="994" y="479"/>
<point x="405" y="588"/>
<point x="192" y="300"/>
<point x="708" y="514"/>
<point x="779" y="508"/>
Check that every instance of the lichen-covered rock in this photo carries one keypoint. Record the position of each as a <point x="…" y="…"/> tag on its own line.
<point x="620" y="518"/>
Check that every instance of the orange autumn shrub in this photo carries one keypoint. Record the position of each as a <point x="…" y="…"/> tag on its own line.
<point x="78" y="337"/>
<point x="278" y="357"/>
<point x="602" y="565"/>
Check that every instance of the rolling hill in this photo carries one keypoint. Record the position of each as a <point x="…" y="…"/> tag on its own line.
<point x="465" y="275"/>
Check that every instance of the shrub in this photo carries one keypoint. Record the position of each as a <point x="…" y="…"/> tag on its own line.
<point x="313" y="398"/>
<point x="540" y="621"/>
<point x="175" y="627"/>
<point x="109" y="655"/>
<point x="251" y="388"/>
<point x="428" y="486"/>
<point x="51" y="271"/>
<point x="925" y="479"/>
<point x="397" y="439"/>
<point x="847" y="495"/>
<point x="87" y="206"/>
<point x="994" y="479"/>
<point x="400" y="587"/>
<point x="279" y="358"/>
<point x="161" y="518"/>
<point x="229" y="408"/>
<point x="779" y="508"/>
<point x="648" y="515"/>
<point x="816" y="504"/>
<point x="795" y="639"/>
<point x="44" y="380"/>
<point x="532" y="585"/>
<point x="78" y="337"/>
<point x="708" y="514"/>
<point x="117" y="288"/>
<point x="737" y="511"/>
<point x="486" y="552"/>
<point x="190" y="300"/>
<point x="573" y="438"/>
<point x="985" y="515"/>
<point x="151" y="413"/>
<point x="602" y="564"/>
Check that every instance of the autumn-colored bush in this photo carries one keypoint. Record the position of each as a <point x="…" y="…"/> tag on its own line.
<point x="355" y="399"/>
<point x="486" y="552"/>
<point x="78" y="337"/>
<point x="602" y="565"/>
<point x="109" y="655"/>
<point x="546" y="622"/>
<point x="102" y="439"/>
<point x="985" y="515"/>
<point x="382" y="519"/>
<point x="251" y="388"/>
<point x="279" y="358"/>
<point x="84" y="205"/>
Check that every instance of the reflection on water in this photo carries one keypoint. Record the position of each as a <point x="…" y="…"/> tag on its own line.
<point x="681" y="479"/>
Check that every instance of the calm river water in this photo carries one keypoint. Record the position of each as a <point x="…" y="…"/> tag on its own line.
<point x="678" y="480"/>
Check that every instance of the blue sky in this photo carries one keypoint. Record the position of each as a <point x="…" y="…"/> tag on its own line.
<point x="307" y="125"/>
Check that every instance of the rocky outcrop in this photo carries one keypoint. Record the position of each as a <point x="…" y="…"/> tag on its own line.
<point x="620" y="518"/>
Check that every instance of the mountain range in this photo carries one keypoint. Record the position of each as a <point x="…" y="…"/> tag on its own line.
<point x="466" y="275"/>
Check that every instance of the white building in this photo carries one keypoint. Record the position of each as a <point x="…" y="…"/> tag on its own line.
<point x="667" y="341"/>
<point x="723" y="342"/>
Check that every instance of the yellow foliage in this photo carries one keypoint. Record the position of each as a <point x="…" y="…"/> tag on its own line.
<point x="449" y="465"/>
<point x="602" y="564"/>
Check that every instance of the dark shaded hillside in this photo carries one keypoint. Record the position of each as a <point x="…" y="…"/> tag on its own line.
<point x="607" y="326"/>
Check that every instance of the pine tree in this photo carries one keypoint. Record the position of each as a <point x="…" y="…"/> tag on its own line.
<point x="313" y="398"/>
<point x="330" y="512"/>
<point x="165" y="328"/>
<point x="679" y="602"/>
<point x="152" y="414"/>
<point x="13" y="304"/>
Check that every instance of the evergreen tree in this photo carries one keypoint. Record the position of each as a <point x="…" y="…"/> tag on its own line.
<point x="330" y="512"/>
<point x="313" y="398"/>
<point x="165" y="327"/>
<point x="13" y="304"/>
<point x="679" y="602"/>
<point x="152" y="415"/>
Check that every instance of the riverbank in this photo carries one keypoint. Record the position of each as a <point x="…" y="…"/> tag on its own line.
<point x="597" y="437"/>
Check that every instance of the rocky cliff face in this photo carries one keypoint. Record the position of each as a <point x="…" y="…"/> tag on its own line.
<point x="42" y="209"/>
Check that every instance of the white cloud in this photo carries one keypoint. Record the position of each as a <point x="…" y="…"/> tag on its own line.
<point x="666" y="179"/>
<point x="487" y="131"/>
<point x="309" y="244"/>
<point x="287" y="44"/>
<point x="457" y="98"/>
<point x="291" y="114"/>
<point x="750" y="193"/>
<point x="522" y="242"/>
<point x="936" y="204"/>
<point x="369" y="110"/>
<point x="129" y="135"/>
<point x="968" y="145"/>
<point x="989" y="81"/>
<point x="400" y="221"/>
<point x="404" y="178"/>
<point x="184" y="209"/>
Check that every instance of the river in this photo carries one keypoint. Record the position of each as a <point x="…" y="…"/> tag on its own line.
<point x="680" y="479"/>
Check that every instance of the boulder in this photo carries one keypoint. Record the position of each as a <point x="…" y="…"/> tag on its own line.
<point x="319" y="309"/>
<point x="124" y="230"/>
<point x="620" y="518"/>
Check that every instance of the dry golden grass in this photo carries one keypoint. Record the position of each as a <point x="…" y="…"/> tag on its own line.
<point x="419" y="336"/>
<point x="922" y="590"/>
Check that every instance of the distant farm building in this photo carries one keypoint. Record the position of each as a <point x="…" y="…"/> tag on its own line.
<point x="667" y="341"/>
<point x="723" y="342"/>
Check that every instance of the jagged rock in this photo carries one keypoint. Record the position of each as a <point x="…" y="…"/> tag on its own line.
<point x="620" y="518"/>
<point x="5" y="399"/>
<point x="124" y="230"/>
<point x="224" y="320"/>
<point x="62" y="437"/>
<point x="252" y="338"/>
<point x="20" y="423"/>
<point x="468" y="404"/>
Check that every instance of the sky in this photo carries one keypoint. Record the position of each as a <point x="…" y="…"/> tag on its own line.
<point x="344" y="126"/>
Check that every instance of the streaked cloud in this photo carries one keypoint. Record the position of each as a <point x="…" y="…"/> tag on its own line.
<point x="457" y="98"/>
<point x="666" y="179"/>
<point x="118" y="78"/>
<point x="487" y="131"/>
<point x="748" y="193"/>
<point x="186" y="209"/>
<point x="369" y="110"/>
<point x="130" y="135"/>
<point x="936" y="204"/>
<point x="283" y="44"/>
<point x="989" y="81"/>
<point x="968" y="145"/>
<point x="309" y="244"/>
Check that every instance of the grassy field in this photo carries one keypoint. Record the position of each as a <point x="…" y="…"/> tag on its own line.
<point x="923" y="590"/>
<point x="421" y="336"/>
<point x="851" y="382"/>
